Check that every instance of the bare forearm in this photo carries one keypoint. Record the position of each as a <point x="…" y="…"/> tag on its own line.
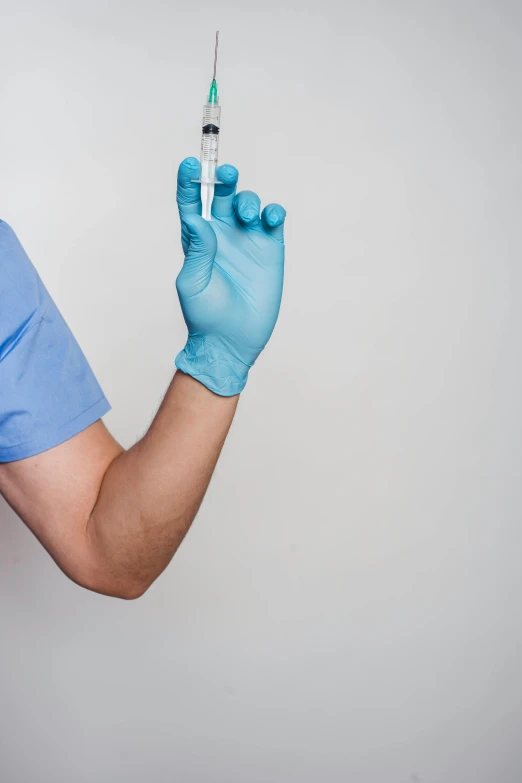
<point x="151" y="493"/>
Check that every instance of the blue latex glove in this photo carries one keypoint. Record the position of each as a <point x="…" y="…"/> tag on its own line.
<point x="231" y="283"/>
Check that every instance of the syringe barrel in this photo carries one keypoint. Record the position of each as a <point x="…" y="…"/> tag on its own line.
<point x="209" y="155"/>
<point x="210" y="131"/>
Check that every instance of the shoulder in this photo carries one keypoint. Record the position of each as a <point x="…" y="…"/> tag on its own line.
<point x="15" y="267"/>
<point x="48" y="392"/>
<point x="23" y="298"/>
<point x="11" y="250"/>
<point x="6" y="232"/>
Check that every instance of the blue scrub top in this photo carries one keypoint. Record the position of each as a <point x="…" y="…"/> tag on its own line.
<point x="48" y="392"/>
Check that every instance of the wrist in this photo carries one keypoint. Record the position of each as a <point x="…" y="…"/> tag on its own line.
<point x="209" y="362"/>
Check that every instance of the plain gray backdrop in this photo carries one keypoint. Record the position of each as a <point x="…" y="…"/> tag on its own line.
<point x="347" y="605"/>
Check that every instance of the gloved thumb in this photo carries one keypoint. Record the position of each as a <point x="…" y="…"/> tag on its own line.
<point x="200" y="246"/>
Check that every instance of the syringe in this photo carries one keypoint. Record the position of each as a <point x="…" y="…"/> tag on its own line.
<point x="209" y="143"/>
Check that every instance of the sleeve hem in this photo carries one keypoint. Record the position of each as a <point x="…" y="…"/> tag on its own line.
<point x="54" y="438"/>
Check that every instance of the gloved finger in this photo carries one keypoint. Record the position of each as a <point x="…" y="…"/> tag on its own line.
<point x="222" y="206"/>
<point x="246" y="208"/>
<point x="188" y="193"/>
<point x="199" y="258"/>
<point x="273" y="219"/>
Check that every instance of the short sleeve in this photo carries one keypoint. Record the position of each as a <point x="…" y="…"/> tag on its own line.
<point x="48" y="392"/>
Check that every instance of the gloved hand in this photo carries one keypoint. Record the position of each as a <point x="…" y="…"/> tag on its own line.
<point x="231" y="283"/>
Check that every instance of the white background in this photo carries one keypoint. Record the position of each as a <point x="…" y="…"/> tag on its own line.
<point x="347" y="604"/>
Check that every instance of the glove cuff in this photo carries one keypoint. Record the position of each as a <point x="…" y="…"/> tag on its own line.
<point x="212" y="366"/>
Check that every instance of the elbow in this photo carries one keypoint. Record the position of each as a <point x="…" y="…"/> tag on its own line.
<point x="104" y="576"/>
<point x="130" y="592"/>
<point x="126" y="590"/>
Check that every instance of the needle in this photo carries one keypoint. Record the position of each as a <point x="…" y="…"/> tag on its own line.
<point x="215" y="56"/>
